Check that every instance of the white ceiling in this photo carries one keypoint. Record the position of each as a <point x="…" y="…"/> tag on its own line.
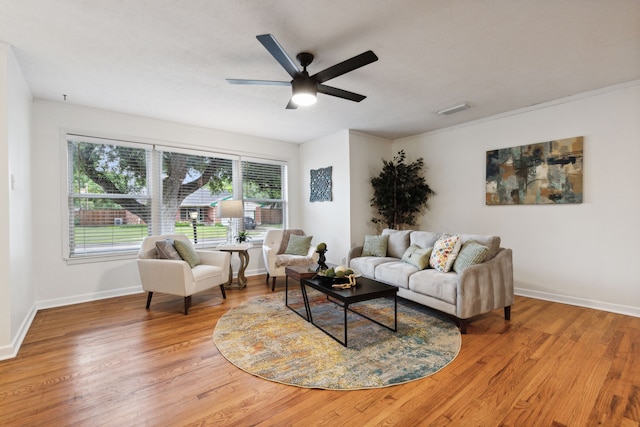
<point x="168" y="59"/>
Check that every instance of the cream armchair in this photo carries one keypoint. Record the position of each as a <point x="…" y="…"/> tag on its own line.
<point x="276" y="262"/>
<point x="176" y="277"/>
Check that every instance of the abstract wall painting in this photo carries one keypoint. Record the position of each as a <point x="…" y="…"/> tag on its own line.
<point x="320" y="185"/>
<point x="536" y="174"/>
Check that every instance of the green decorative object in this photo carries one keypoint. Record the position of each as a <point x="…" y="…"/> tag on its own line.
<point x="242" y="237"/>
<point x="400" y="192"/>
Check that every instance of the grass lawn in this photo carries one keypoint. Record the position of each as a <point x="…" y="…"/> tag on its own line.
<point x="115" y="234"/>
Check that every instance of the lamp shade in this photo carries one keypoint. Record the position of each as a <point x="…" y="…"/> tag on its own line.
<point x="304" y="91"/>
<point x="231" y="209"/>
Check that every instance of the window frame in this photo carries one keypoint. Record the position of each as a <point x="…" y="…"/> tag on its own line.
<point x="154" y="178"/>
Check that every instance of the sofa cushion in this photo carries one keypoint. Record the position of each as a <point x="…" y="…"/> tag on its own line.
<point x="424" y="239"/>
<point x="491" y="242"/>
<point x="398" y="241"/>
<point x="395" y="273"/>
<point x="471" y="253"/>
<point x="417" y="256"/>
<point x="444" y="252"/>
<point x="375" y="246"/>
<point x="187" y="252"/>
<point x="367" y="264"/>
<point x="298" y="245"/>
<point x="166" y="250"/>
<point x="202" y="272"/>
<point x="286" y="234"/>
<point x="432" y="283"/>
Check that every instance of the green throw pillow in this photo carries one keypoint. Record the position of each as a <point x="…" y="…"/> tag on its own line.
<point x="298" y="245"/>
<point x="187" y="253"/>
<point x="417" y="256"/>
<point x="375" y="245"/>
<point x="471" y="253"/>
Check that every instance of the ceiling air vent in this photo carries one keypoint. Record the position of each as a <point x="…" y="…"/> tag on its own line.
<point x="454" y="109"/>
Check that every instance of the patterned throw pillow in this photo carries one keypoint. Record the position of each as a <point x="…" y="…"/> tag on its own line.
<point x="298" y="245"/>
<point x="375" y="246"/>
<point x="187" y="253"/>
<point x="417" y="256"/>
<point x="471" y="253"/>
<point x="166" y="250"/>
<point x="444" y="252"/>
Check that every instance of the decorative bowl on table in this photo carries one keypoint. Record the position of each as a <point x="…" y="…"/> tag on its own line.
<point x="332" y="278"/>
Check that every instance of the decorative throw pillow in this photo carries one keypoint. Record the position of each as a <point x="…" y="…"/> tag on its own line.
<point x="166" y="250"/>
<point x="471" y="253"/>
<point x="187" y="253"/>
<point x="285" y="238"/>
<point x="298" y="245"/>
<point x="417" y="256"/>
<point x="444" y="252"/>
<point x="375" y="246"/>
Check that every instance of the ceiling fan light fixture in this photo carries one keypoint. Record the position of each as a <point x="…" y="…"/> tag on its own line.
<point x="305" y="91"/>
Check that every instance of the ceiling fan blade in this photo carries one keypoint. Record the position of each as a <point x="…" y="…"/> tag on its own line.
<point x="345" y="66"/>
<point x="291" y="105"/>
<point x="274" y="48"/>
<point x="334" y="91"/>
<point x="258" y="82"/>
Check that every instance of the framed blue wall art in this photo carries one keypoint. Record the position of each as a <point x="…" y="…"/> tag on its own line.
<point x="320" y="185"/>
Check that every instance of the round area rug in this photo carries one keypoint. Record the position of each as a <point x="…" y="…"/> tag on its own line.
<point x="265" y="338"/>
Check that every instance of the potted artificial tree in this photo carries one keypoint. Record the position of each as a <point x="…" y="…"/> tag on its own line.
<point x="400" y="192"/>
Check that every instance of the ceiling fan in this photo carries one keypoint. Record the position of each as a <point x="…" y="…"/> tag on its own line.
<point x="305" y="87"/>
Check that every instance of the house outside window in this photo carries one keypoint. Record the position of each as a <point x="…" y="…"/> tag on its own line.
<point x="119" y="192"/>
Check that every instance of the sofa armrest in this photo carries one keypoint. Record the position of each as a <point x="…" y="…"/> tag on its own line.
<point x="217" y="258"/>
<point x="487" y="286"/>
<point x="163" y="275"/>
<point x="269" y="257"/>
<point x="354" y="252"/>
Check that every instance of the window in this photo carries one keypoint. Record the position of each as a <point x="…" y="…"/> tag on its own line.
<point x="263" y="194"/>
<point x="120" y="192"/>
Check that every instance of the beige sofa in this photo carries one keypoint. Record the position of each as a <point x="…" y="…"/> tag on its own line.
<point x="478" y="289"/>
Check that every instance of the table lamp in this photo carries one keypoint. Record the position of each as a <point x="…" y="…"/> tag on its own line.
<point x="231" y="209"/>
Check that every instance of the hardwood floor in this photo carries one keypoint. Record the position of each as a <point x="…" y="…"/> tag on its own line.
<point x="113" y="363"/>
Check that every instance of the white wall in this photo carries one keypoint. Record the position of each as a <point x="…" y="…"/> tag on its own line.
<point x="580" y="254"/>
<point x="343" y="222"/>
<point x="5" y="248"/>
<point x="366" y="153"/>
<point x="327" y="221"/>
<point x="16" y="266"/>
<point x="60" y="283"/>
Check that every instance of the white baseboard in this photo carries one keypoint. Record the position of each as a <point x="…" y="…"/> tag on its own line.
<point x="580" y="302"/>
<point x="10" y="351"/>
<point x="95" y="296"/>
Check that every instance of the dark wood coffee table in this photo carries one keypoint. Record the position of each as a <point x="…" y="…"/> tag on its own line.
<point x="297" y="272"/>
<point x="365" y="290"/>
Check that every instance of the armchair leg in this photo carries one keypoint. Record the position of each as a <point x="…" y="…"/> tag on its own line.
<point x="149" y="299"/>
<point x="187" y="304"/>
<point x="267" y="279"/>
<point x="507" y="313"/>
<point x="273" y="286"/>
<point x="224" y="294"/>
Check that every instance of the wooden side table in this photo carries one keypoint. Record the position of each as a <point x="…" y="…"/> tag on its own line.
<point x="243" y="253"/>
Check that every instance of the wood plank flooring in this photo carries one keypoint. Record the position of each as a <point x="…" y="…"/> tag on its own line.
<point x="113" y="363"/>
